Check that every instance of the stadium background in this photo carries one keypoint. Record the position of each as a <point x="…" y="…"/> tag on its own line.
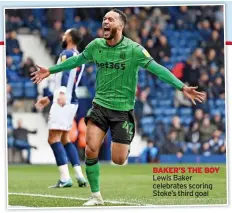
<point x="187" y="40"/>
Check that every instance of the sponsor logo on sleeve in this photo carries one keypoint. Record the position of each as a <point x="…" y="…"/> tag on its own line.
<point x="146" y="53"/>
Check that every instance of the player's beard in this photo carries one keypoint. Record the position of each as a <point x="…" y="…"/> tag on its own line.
<point x="112" y="34"/>
<point x="64" y="44"/>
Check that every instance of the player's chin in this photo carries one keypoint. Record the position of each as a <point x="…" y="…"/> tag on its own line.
<point x="108" y="37"/>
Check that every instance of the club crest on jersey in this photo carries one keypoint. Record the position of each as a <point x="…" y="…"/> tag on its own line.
<point x="63" y="58"/>
<point x="146" y="53"/>
<point x="123" y="55"/>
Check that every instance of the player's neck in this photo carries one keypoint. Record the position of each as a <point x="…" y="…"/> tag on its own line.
<point x="115" y="40"/>
<point x="71" y="47"/>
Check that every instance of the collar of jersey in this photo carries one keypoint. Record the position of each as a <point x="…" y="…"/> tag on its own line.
<point x="115" y="44"/>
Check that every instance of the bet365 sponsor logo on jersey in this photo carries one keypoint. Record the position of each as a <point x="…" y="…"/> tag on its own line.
<point x="112" y="65"/>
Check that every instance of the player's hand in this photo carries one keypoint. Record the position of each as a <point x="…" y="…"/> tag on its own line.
<point x="61" y="100"/>
<point x="42" y="102"/>
<point x="193" y="94"/>
<point x="40" y="74"/>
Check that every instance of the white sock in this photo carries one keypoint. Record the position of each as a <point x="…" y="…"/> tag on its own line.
<point x="78" y="172"/>
<point x="64" y="173"/>
<point x="97" y="194"/>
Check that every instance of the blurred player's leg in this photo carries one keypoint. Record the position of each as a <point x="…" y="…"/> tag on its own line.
<point x="74" y="158"/>
<point x="61" y="159"/>
<point x="94" y="138"/>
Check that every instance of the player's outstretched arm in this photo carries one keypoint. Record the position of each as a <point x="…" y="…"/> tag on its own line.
<point x="68" y="64"/>
<point x="165" y="75"/>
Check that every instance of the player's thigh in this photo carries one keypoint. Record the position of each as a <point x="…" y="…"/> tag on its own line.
<point x="122" y="135"/>
<point x="97" y="126"/>
<point x="94" y="138"/>
<point x="65" y="137"/>
<point x="119" y="152"/>
<point x="54" y="136"/>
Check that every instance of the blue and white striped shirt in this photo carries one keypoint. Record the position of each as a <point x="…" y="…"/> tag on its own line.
<point x="68" y="78"/>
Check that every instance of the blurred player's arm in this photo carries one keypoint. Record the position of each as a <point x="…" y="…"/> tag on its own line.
<point x="43" y="102"/>
<point x="146" y="61"/>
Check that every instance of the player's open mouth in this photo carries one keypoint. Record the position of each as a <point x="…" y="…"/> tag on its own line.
<point x="106" y="29"/>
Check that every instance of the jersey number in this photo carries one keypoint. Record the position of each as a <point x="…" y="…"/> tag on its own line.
<point x="128" y="126"/>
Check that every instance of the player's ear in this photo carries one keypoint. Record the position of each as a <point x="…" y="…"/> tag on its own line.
<point x="121" y="26"/>
<point x="68" y="38"/>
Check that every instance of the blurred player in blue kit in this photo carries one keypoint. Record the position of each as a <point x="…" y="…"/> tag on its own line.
<point x="62" y="112"/>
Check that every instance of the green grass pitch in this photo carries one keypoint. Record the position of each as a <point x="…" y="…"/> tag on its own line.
<point x="128" y="185"/>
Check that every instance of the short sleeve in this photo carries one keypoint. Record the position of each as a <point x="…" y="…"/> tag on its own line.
<point x="65" y="55"/>
<point x="142" y="56"/>
<point x="88" y="51"/>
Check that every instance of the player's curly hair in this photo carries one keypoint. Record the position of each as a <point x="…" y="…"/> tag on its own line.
<point x="122" y="15"/>
<point x="76" y="36"/>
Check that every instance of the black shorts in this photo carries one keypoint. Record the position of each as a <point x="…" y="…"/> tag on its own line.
<point x="121" y="123"/>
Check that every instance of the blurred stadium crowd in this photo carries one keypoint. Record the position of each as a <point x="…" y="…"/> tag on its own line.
<point x="189" y="41"/>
